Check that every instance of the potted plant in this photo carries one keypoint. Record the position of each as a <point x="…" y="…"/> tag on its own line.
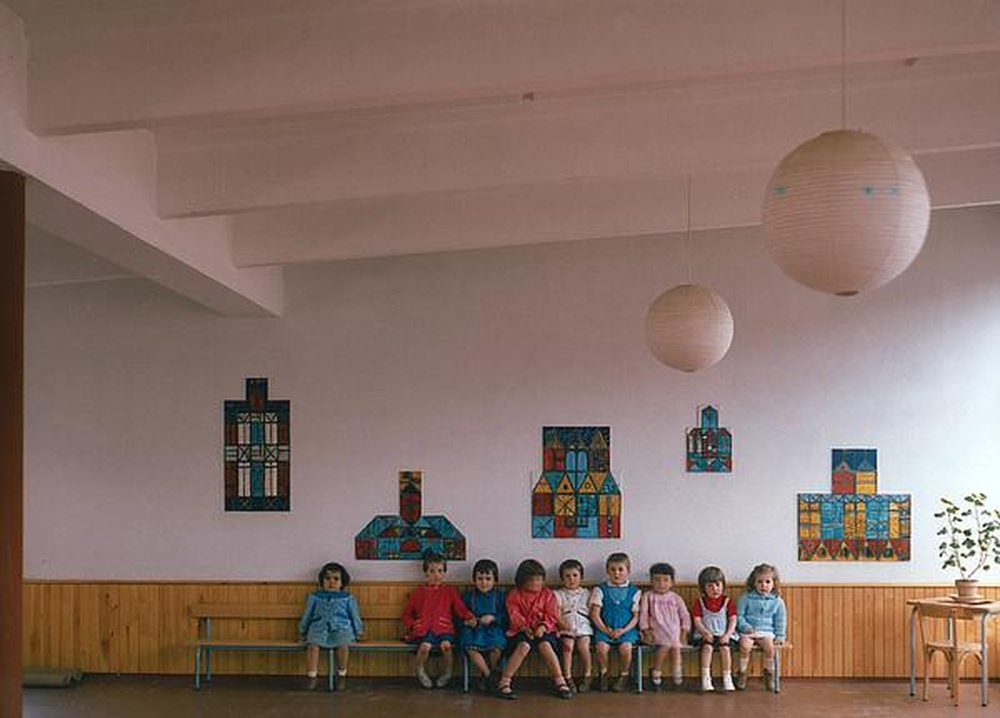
<point x="970" y="540"/>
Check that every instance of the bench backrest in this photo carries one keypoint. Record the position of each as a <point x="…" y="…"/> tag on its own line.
<point x="246" y="610"/>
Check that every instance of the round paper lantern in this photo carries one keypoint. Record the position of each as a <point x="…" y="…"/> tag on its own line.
<point x="846" y="212"/>
<point x="689" y="327"/>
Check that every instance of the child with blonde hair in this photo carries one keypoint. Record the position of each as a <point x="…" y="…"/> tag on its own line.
<point x="664" y="622"/>
<point x="714" y="618"/>
<point x="614" y="611"/>
<point x="574" y="622"/>
<point x="761" y="619"/>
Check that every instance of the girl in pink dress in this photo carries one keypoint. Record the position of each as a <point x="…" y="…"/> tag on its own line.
<point x="664" y="622"/>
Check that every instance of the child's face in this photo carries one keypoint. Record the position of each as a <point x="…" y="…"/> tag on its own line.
<point x="764" y="582"/>
<point x="332" y="581"/>
<point x="484" y="581"/>
<point x="714" y="589"/>
<point x="435" y="573"/>
<point x="661" y="583"/>
<point x="617" y="573"/>
<point x="571" y="578"/>
<point x="534" y="584"/>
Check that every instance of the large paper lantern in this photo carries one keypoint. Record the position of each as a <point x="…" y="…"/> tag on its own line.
<point x="846" y="212"/>
<point x="689" y="327"/>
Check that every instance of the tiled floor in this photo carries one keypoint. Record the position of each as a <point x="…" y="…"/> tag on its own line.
<point x="253" y="697"/>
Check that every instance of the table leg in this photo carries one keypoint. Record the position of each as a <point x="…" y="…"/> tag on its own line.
<point x="985" y="670"/>
<point x="913" y="651"/>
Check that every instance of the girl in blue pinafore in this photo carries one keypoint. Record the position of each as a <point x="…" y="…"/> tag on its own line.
<point x="614" y="611"/>
<point x="332" y="620"/>
<point x="484" y="642"/>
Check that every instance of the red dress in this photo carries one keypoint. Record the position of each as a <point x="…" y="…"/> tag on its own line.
<point x="432" y="610"/>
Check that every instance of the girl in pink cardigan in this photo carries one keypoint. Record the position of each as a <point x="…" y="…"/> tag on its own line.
<point x="533" y="612"/>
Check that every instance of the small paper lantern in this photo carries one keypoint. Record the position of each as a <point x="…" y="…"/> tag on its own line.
<point x="689" y="327"/>
<point x="846" y="212"/>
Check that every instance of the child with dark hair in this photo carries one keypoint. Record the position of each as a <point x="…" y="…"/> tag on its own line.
<point x="533" y="613"/>
<point x="614" y="611"/>
<point x="484" y="642"/>
<point x="429" y="619"/>
<point x="761" y="618"/>
<point x="574" y="621"/>
<point x="664" y="622"/>
<point x="714" y="617"/>
<point x="332" y="620"/>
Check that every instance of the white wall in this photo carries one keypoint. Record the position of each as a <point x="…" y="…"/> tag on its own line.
<point x="452" y="364"/>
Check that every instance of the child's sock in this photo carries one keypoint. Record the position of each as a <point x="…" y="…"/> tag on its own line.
<point x="312" y="674"/>
<point x="744" y="663"/>
<point x="727" y="681"/>
<point x="678" y="676"/>
<point x="657" y="677"/>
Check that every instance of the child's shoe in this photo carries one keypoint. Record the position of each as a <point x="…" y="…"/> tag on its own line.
<point x="340" y="682"/>
<point x="564" y="691"/>
<point x="621" y="683"/>
<point x="678" y="679"/>
<point x="706" y="683"/>
<point x="424" y="679"/>
<point x="443" y="680"/>
<point x="741" y="680"/>
<point x="312" y="682"/>
<point x="727" y="682"/>
<point x="768" y="680"/>
<point x="656" y="681"/>
<point x="603" y="683"/>
<point x="584" y="685"/>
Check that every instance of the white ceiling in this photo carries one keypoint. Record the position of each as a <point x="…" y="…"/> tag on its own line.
<point x="208" y="143"/>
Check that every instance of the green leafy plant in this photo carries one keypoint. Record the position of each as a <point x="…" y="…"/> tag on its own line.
<point x="971" y="535"/>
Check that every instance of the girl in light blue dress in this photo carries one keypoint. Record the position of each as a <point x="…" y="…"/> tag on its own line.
<point x="332" y="620"/>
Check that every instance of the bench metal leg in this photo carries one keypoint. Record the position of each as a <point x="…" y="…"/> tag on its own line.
<point x="332" y="663"/>
<point x="777" y="670"/>
<point x="197" y="668"/>
<point x="208" y="665"/>
<point x="465" y="672"/>
<point x="638" y="668"/>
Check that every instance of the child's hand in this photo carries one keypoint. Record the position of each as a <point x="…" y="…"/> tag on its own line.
<point x="615" y="633"/>
<point x="647" y="636"/>
<point x="486" y="619"/>
<point x="471" y="622"/>
<point x="359" y="638"/>
<point x="684" y="638"/>
<point x="540" y="631"/>
<point x="724" y="638"/>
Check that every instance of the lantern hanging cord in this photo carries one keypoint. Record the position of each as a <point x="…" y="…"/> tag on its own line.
<point x="843" y="64"/>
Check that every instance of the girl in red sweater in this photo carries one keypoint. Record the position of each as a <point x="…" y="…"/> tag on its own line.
<point x="429" y="619"/>
<point x="532" y="612"/>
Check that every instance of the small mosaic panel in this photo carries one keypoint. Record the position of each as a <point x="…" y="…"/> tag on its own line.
<point x="576" y="496"/>
<point x="257" y="451"/>
<point x="709" y="446"/>
<point x="408" y="535"/>
<point x="854" y="523"/>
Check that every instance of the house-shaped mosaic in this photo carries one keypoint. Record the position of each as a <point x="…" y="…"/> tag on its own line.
<point x="709" y="446"/>
<point x="256" y="451"/>
<point x="409" y="534"/>
<point x="576" y="496"/>
<point x="854" y="522"/>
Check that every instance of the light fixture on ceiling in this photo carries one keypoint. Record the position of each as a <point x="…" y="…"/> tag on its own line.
<point x="689" y="327"/>
<point x="846" y="211"/>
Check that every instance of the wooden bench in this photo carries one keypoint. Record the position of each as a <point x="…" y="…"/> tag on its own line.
<point x="642" y="648"/>
<point x="205" y="642"/>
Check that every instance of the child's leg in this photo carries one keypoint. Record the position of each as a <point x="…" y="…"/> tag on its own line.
<point x="312" y="660"/>
<point x="726" y="659"/>
<point x="568" y="644"/>
<point x="343" y="655"/>
<point x="495" y="654"/>
<point x="746" y="645"/>
<point x="583" y="649"/>
<point x="624" y="666"/>
<point x="551" y="662"/>
<point x="676" y="664"/>
<point x="423" y="652"/>
<point x="447" y="661"/>
<point x="659" y="658"/>
<point x="766" y="644"/>
<point x="706" y="666"/>
<point x="601" y="648"/>
<point x="514" y="661"/>
<point x="478" y="660"/>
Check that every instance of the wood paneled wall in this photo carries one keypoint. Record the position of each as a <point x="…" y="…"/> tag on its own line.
<point x="838" y="631"/>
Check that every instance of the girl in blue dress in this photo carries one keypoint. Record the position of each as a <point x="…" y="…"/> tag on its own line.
<point x="332" y="620"/>
<point x="484" y="642"/>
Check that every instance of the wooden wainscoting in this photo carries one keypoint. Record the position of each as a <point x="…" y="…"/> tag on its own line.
<point x="838" y="631"/>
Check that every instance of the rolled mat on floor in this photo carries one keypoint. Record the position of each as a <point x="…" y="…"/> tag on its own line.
<point x="50" y="677"/>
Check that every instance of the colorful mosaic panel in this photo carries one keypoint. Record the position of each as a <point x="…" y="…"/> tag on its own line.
<point x="853" y="523"/>
<point x="576" y="496"/>
<point x="408" y="535"/>
<point x="709" y="446"/>
<point x="257" y="451"/>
